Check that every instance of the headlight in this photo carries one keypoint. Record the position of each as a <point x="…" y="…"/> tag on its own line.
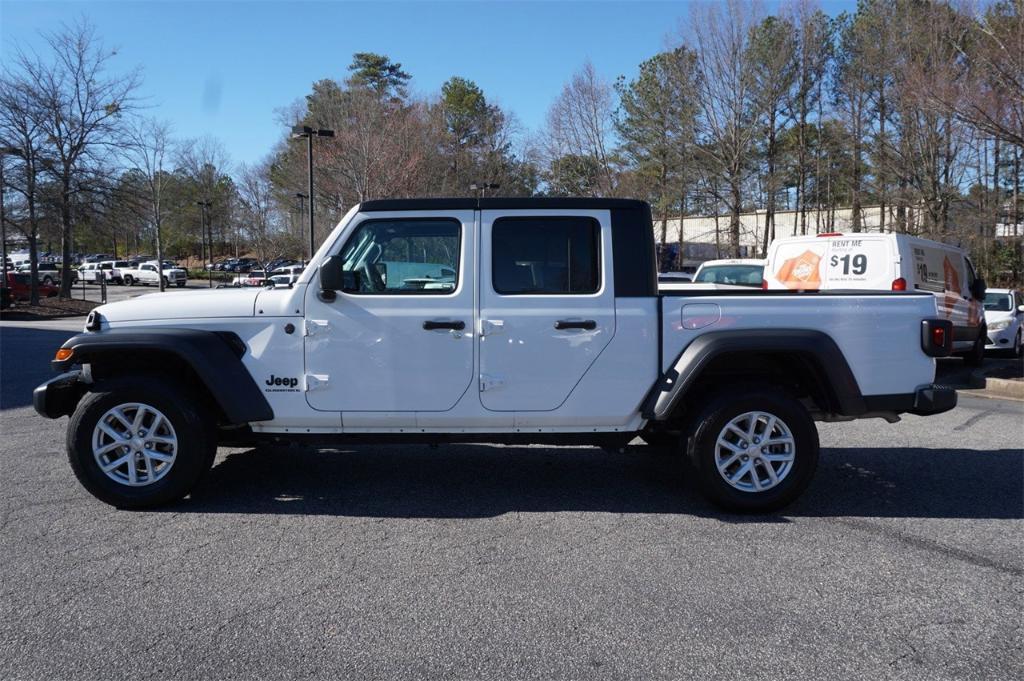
<point x="999" y="326"/>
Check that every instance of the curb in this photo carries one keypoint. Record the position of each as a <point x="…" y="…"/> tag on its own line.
<point x="998" y="387"/>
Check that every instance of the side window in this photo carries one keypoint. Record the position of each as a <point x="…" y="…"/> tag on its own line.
<point x="405" y="257"/>
<point x="553" y="255"/>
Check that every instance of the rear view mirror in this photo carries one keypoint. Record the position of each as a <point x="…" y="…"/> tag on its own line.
<point x="350" y="281"/>
<point x="978" y="289"/>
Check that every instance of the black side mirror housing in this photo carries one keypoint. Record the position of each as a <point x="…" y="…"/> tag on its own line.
<point x="978" y="289"/>
<point x="332" y="274"/>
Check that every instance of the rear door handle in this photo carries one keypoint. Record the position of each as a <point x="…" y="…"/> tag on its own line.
<point x="433" y="325"/>
<point x="587" y="324"/>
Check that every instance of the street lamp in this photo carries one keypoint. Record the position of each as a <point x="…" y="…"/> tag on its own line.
<point x="204" y="206"/>
<point x="300" y="131"/>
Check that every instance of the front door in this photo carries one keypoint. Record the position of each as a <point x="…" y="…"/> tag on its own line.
<point x="547" y="306"/>
<point x="403" y="341"/>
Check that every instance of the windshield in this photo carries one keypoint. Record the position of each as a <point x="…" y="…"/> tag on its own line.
<point x="741" y="275"/>
<point x="998" y="302"/>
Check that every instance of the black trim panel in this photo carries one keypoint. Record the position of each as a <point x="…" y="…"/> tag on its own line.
<point x="499" y="203"/>
<point x="636" y="272"/>
<point x="967" y="333"/>
<point x="925" y="401"/>
<point x="212" y="355"/>
<point x="750" y="291"/>
<point x="828" y="359"/>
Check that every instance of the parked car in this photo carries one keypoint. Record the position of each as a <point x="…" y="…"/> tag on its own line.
<point x="286" y="275"/>
<point x="887" y="262"/>
<point x="250" y="278"/>
<point x="20" y="286"/>
<point x="48" y="273"/>
<point x="734" y="271"/>
<point x="674" y="277"/>
<point x="541" y="322"/>
<point x="148" y="273"/>
<point x="1004" y="319"/>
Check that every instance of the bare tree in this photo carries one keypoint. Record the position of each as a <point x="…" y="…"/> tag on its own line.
<point x="256" y="194"/>
<point x="580" y="123"/>
<point x="148" y="147"/>
<point x="21" y="137"/>
<point x="79" y="108"/>
<point x="721" y="34"/>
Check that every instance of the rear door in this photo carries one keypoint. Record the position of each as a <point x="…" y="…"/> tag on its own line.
<point x="547" y="306"/>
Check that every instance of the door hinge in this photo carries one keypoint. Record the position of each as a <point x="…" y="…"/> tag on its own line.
<point x="316" y="381"/>
<point x="313" y="326"/>
<point x="490" y="382"/>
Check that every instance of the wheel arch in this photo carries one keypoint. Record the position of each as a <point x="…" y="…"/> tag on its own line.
<point x="208" y="361"/>
<point x="806" y="363"/>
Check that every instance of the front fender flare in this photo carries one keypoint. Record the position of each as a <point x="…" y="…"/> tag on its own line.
<point x="215" y="357"/>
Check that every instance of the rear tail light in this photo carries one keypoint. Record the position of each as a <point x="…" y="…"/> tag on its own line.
<point x="764" y="284"/>
<point x="899" y="284"/>
<point x="830" y="234"/>
<point x="937" y="337"/>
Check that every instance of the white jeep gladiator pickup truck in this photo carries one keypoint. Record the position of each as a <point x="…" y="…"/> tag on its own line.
<point x="493" y="320"/>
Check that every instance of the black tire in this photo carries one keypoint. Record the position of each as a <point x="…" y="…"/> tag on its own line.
<point x="976" y="355"/>
<point x="721" y="408"/>
<point x="166" y="282"/>
<point x="194" y="430"/>
<point x="129" y="280"/>
<point x="180" y="284"/>
<point x="48" y="280"/>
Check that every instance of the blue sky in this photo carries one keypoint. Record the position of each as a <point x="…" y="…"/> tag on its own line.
<point x="223" y="68"/>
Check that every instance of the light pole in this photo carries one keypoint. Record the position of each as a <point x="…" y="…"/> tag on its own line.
<point x="309" y="133"/>
<point x="204" y="206"/>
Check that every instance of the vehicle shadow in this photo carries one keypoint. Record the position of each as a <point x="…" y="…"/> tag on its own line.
<point x="479" y="481"/>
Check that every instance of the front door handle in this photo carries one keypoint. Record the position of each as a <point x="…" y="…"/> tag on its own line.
<point x="586" y="324"/>
<point x="433" y="325"/>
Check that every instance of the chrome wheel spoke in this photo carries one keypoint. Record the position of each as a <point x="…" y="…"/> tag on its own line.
<point x="147" y="452"/>
<point x="116" y="463"/>
<point x="755" y="451"/>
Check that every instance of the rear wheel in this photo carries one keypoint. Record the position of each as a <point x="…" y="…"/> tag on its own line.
<point x="139" y="442"/>
<point x="976" y="355"/>
<point x="48" y="280"/>
<point x="753" y="448"/>
<point x="129" y="280"/>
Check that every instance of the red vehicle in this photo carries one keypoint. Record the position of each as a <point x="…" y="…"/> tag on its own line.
<point x="20" y="286"/>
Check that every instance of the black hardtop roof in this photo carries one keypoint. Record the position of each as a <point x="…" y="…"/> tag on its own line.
<point x="499" y="203"/>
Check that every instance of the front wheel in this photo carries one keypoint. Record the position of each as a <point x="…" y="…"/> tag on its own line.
<point x="129" y="280"/>
<point x="139" y="442"/>
<point x="753" y="449"/>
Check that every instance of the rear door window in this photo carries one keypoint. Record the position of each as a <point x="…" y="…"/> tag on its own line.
<point x="546" y="255"/>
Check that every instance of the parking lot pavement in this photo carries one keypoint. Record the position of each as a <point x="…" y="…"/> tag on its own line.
<point x="903" y="560"/>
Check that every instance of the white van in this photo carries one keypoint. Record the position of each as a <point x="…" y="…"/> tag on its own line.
<point x="886" y="262"/>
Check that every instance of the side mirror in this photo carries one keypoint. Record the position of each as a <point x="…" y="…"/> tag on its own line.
<point x="332" y="274"/>
<point x="978" y="289"/>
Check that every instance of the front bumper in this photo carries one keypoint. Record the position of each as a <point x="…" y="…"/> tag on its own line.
<point x="1000" y="340"/>
<point x="59" y="396"/>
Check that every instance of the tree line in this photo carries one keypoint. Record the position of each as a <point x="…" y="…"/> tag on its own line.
<point x="915" y="107"/>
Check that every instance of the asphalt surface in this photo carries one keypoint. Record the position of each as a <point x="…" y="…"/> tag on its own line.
<point x="903" y="560"/>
